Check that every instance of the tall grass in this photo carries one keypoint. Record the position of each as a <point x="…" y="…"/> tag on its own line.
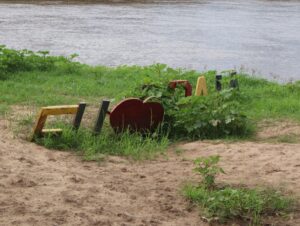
<point x="93" y="147"/>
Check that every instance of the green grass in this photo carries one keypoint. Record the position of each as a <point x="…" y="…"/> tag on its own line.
<point x="228" y="203"/>
<point x="271" y="100"/>
<point x="265" y="99"/>
<point x="248" y="205"/>
<point x="38" y="80"/>
<point x="59" y="86"/>
<point x="93" y="147"/>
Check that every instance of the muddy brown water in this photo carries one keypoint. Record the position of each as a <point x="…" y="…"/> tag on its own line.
<point x="261" y="37"/>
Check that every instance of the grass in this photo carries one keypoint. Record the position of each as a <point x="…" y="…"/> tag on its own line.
<point x="265" y="99"/>
<point x="248" y="205"/>
<point x="93" y="147"/>
<point x="271" y="100"/>
<point x="32" y="80"/>
<point x="227" y="203"/>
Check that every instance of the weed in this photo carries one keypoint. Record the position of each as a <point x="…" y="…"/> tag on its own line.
<point x="239" y="203"/>
<point x="208" y="168"/>
<point x="228" y="203"/>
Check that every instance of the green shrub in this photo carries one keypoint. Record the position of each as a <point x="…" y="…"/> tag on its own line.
<point x="217" y="115"/>
<point x="225" y="203"/>
<point x="213" y="116"/>
<point x="13" y="61"/>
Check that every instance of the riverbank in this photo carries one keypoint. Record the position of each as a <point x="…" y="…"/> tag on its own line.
<point x="32" y="80"/>
<point x="40" y="80"/>
<point x="150" y="190"/>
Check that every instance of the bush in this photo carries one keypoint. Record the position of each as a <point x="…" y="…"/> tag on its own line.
<point x="214" y="116"/>
<point x="13" y="61"/>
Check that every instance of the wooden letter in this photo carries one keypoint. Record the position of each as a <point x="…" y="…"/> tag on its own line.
<point x="78" y="116"/>
<point x="201" y="89"/>
<point x="101" y="116"/>
<point x="76" y="110"/>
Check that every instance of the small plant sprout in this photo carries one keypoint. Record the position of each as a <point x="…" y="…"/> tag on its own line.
<point x="208" y="168"/>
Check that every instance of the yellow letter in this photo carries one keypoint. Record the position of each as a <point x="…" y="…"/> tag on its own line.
<point x="201" y="89"/>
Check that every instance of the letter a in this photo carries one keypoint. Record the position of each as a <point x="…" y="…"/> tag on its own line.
<point x="201" y="89"/>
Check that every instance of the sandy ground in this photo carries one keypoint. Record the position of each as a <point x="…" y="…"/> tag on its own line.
<point x="43" y="187"/>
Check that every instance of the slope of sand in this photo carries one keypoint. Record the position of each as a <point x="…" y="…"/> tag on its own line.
<point x="43" y="187"/>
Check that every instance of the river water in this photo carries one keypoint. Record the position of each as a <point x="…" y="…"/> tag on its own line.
<point x="260" y="37"/>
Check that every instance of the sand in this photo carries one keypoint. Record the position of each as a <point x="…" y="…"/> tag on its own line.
<point x="46" y="187"/>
